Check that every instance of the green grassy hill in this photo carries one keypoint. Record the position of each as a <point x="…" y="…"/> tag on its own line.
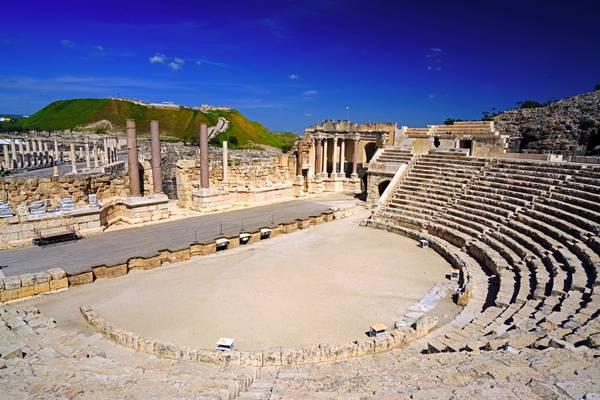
<point x="175" y="124"/>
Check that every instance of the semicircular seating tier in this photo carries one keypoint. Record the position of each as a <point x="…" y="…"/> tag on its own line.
<point x="524" y="235"/>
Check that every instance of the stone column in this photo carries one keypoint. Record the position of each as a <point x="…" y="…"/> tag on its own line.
<point x="88" y="163"/>
<point x="299" y="164"/>
<point x="355" y="160"/>
<point x="318" y="155"/>
<point x="225" y="162"/>
<point x="34" y="152"/>
<point x="95" y="154"/>
<point x="335" y="152"/>
<point x="342" y="157"/>
<point x="134" y="172"/>
<point x="27" y="153"/>
<point x="6" y="156"/>
<point x="13" y="150"/>
<point x="325" y="157"/>
<point x="46" y="154"/>
<point x="105" y="152"/>
<point x="203" y="156"/>
<point x="155" y="148"/>
<point x="56" y="155"/>
<point x="73" y="159"/>
<point x="21" y="155"/>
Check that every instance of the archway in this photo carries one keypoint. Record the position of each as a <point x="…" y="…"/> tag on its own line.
<point x="370" y="149"/>
<point x="436" y="142"/>
<point x="382" y="186"/>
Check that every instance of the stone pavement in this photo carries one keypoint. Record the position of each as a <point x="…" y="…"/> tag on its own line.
<point x="117" y="247"/>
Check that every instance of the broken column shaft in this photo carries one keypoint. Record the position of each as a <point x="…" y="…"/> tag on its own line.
<point x="155" y="146"/>
<point x="132" y="160"/>
<point x="203" y="156"/>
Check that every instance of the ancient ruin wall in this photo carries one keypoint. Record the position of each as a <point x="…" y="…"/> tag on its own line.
<point x="255" y="175"/>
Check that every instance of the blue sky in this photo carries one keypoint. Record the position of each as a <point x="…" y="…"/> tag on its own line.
<point x="291" y="64"/>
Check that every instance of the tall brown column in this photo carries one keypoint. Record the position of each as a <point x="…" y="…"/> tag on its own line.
<point x="203" y="156"/>
<point x="298" y="163"/>
<point x="132" y="159"/>
<point x="318" y="156"/>
<point x="355" y="160"/>
<point x="155" y="147"/>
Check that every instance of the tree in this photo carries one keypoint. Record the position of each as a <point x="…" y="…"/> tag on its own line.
<point x="529" y="104"/>
<point x="597" y="87"/>
<point x="449" y="121"/>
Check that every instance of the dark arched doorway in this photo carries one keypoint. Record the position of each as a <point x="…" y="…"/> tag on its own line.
<point x="382" y="186"/>
<point x="370" y="149"/>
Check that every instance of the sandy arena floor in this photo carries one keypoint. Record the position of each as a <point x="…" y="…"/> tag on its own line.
<point x="323" y="285"/>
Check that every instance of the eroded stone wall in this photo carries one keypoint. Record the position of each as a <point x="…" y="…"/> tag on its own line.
<point x="264" y="173"/>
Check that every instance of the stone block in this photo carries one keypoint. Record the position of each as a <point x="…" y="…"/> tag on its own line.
<point x="12" y="282"/>
<point x="251" y="359"/>
<point x="56" y="284"/>
<point x="42" y="287"/>
<point x="424" y="325"/>
<point x="81" y="279"/>
<point x="304" y="223"/>
<point x="145" y="263"/>
<point x="26" y="280"/>
<point x="254" y="237"/>
<point x="316" y="220"/>
<point x="8" y="295"/>
<point x="271" y="358"/>
<point x="41" y="277"/>
<point x="110" y="272"/>
<point x="25" y="291"/>
<point x="56" y="273"/>
<point x="233" y="242"/>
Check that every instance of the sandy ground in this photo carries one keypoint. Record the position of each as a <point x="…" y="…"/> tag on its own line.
<point x="323" y="285"/>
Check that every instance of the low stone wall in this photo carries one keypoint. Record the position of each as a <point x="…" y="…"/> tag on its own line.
<point x="173" y="255"/>
<point x="275" y="357"/>
<point x="135" y="210"/>
<point x="29" y="285"/>
<point x="21" y="230"/>
<point x="262" y="174"/>
<point x="15" y="190"/>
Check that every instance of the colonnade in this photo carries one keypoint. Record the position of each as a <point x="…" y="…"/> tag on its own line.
<point x="21" y="154"/>
<point x="338" y="146"/>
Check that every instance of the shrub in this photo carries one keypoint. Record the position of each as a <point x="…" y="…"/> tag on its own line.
<point x="529" y="104"/>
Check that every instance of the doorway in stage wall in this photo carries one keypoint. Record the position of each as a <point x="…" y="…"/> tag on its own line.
<point x="466" y="144"/>
<point x="370" y="149"/>
<point x="382" y="186"/>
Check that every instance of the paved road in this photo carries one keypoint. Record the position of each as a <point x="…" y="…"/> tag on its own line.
<point x="117" y="247"/>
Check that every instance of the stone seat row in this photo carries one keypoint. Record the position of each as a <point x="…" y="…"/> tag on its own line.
<point x="40" y="356"/>
<point x="538" y="261"/>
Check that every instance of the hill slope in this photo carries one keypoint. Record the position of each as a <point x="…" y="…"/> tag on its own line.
<point x="568" y="125"/>
<point x="178" y="124"/>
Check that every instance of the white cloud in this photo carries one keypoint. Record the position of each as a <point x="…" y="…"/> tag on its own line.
<point x="204" y="61"/>
<point x="175" y="63"/>
<point x="98" y="47"/>
<point x="157" y="59"/>
<point x="293" y="76"/>
<point x="67" y="43"/>
<point x="309" y="93"/>
<point x="174" y="66"/>
<point x="307" y="115"/>
<point x="434" y="58"/>
<point x="432" y="96"/>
